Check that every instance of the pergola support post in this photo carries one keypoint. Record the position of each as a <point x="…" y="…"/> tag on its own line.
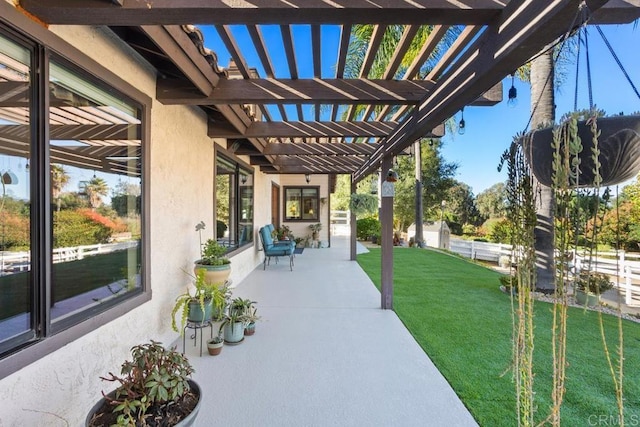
<point x="353" y="226"/>
<point x="386" y="221"/>
<point x="419" y="239"/>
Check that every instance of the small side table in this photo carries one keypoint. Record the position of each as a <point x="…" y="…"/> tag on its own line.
<point x="196" y="326"/>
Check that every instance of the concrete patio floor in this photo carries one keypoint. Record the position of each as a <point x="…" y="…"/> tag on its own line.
<point x="324" y="354"/>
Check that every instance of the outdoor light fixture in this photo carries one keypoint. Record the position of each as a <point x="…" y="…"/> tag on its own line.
<point x="513" y="95"/>
<point x="243" y="179"/>
<point x="461" y="125"/>
<point x="307" y="177"/>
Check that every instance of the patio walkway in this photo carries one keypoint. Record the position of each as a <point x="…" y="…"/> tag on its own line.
<point x="324" y="354"/>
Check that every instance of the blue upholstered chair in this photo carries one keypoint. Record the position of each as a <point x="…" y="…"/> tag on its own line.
<point x="275" y="249"/>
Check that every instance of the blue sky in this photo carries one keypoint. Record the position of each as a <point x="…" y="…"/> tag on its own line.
<point x="489" y="129"/>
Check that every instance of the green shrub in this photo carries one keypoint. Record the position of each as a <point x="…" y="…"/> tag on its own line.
<point x="72" y="228"/>
<point x="367" y="227"/>
<point x="468" y="229"/>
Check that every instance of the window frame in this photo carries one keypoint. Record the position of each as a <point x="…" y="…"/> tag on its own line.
<point x="220" y="152"/>
<point x="18" y="27"/>
<point x="286" y="218"/>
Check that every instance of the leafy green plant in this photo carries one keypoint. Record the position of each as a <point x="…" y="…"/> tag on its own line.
<point x="282" y="232"/>
<point x="593" y="282"/>
<point x="155" y="379"/>
<point x="204" y="294"/>
<point x="246" y="307"/>
<point x="212" y="253"/>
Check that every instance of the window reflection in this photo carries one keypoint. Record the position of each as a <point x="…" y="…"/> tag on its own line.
<point x="95" y="151"/>
<point x="16" y="288"/>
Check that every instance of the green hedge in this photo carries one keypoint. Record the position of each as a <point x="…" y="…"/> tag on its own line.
<point x="367" y="227"/>
<point x="72" y="228"/>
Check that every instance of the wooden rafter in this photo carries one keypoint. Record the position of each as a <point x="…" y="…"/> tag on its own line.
<point x="136" y="12"/>
<point x="301" y="91"/>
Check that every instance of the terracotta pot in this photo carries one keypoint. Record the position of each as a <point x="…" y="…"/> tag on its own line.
<point x="250" y="329"/>
<point x="215" y="348"/>
<point x="619" y="145"/>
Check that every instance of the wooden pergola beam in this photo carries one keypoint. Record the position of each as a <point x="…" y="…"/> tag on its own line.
<point x="135" y="12"/>
<point x="319" y="149"/>
<point x="300" y="91"/>
<point x="313" y="130"/>
<point x="421" y="12"/>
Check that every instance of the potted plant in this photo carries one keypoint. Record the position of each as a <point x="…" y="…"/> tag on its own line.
<point x="214" y="345"/>
<point x="315" y="230"/>
<point x="618" y="144"/>
<point x="247" y="308"/>
<point x="362" y="204"/>
<point x="282" y="233"/>
<point x="589" y="285"/>
<point x="155" y="384"/>
<point x="200" y="306"/>
<point x="232" y="326"/>
<point x="212" y="261"/>
<point x="251" y="318"/>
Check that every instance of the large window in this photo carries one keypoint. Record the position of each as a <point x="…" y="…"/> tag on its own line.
<point x="234" y="203"/>
<point x="71" y="201"/>
<point x="301" y="203"/>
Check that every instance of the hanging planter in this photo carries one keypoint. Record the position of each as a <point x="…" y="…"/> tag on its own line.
<point x="618" y="143"/>
<point x="363" y="204"/>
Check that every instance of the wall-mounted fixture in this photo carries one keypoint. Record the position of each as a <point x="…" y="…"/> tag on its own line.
<point x="307" y="177"/>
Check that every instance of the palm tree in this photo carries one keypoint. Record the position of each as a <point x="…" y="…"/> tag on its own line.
<point x="59" y="178"/>
<point x="96" y="188"/>
<point x="543" y="113"/>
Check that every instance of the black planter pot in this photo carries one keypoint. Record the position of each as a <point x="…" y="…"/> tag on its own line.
<point x="185" y="422"/>
<point x="619" y="145"/>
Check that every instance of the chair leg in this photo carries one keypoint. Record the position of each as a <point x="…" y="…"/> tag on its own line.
<point x="291" y="262"/>
<point x="264" y="263"/>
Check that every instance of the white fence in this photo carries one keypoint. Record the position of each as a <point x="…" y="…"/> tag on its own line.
<point x="13" y="262"/>
<point x="623" y="267"/>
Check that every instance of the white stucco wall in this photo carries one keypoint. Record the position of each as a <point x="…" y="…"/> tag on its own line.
<point x="59" y="389"/>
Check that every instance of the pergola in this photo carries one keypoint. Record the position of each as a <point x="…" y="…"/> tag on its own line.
<point x="371" y="119"/>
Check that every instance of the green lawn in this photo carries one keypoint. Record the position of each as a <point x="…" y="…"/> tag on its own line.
<point x="457" y="313"/>
<point x="70" y="278"/>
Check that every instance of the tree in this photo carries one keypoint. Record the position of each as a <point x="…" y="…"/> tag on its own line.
<point x="461" y="204"/>
<point x="340" y="197"/>
<point x="59" y="178"/>
<point x="126" y="199"/>
<point x="492" y="202"/>
<point x="96" y="189"/>
<point x="543" y="109"/>
<point x="437" y="178"/>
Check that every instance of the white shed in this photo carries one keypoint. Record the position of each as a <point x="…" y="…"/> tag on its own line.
<point x="435" y="234"/>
